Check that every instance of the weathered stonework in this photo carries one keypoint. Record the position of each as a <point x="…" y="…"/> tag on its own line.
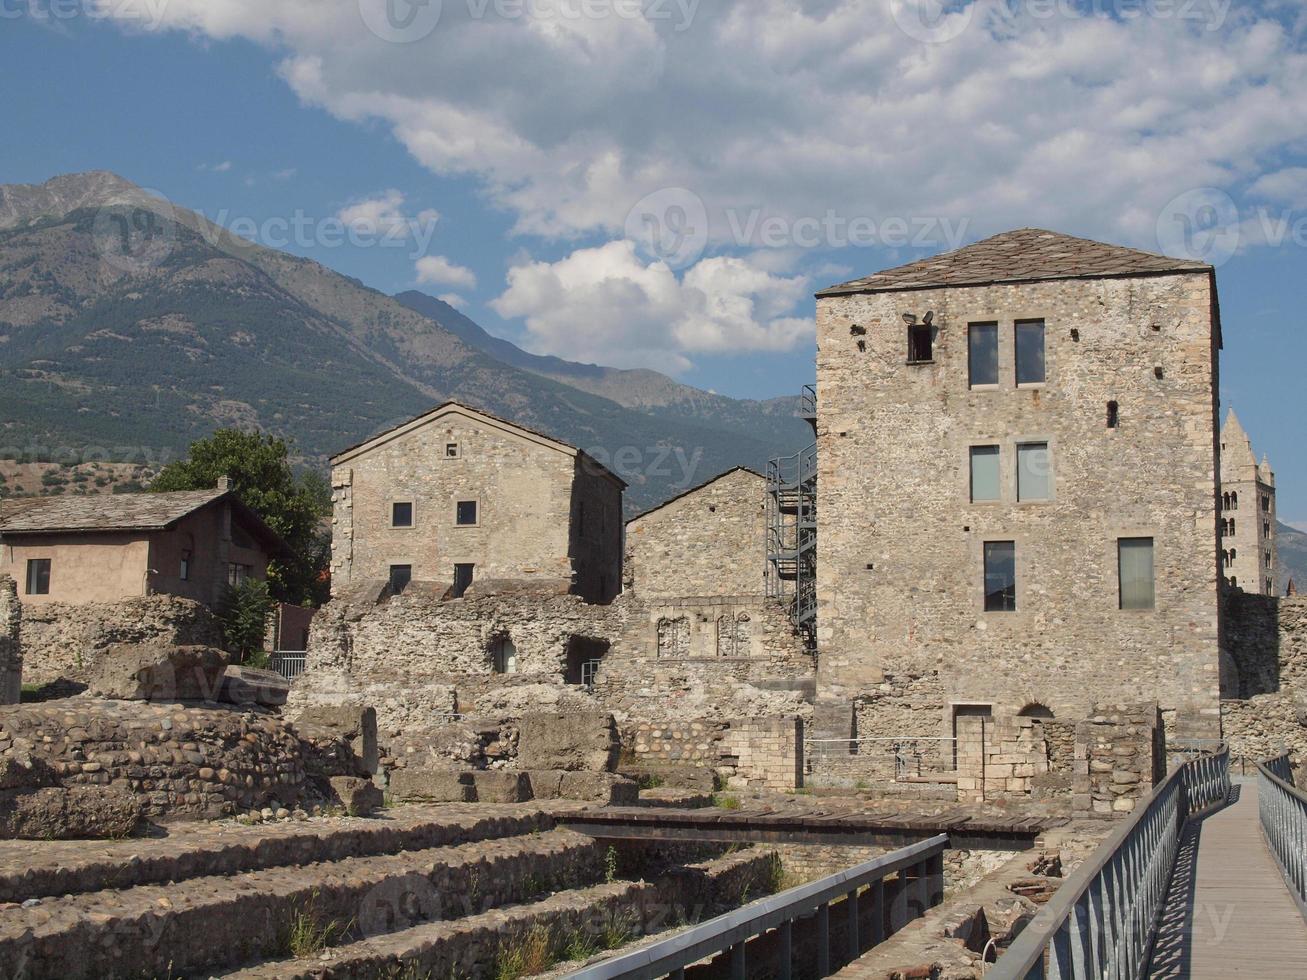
<point x="750" y="753"/>
<point x="900" y="576"/>
<point x="11" y="653"/>
<point x="1119" y="758"/>
<point x="1264" y="690"/>
<point x="66" y="640"/>
<point x="544" y="511"/>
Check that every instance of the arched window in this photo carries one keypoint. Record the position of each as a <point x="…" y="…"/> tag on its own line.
<point x="674" y="637"/>
<point x="1035" y="710"/>
<point x="1225" y="501"/>
<point x="1231" y="527"/>
<point x="1225" y="558"/>
<point x="1234" y="499"/>
<point x="1234" y="555"/>
<point x="1225" y="528"/>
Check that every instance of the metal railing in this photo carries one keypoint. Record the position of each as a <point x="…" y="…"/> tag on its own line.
<point x="922" y="863"/>
<point x="1283" y="810"/>
<point x="290" y="664"/>
<point x="1102" y="921"/>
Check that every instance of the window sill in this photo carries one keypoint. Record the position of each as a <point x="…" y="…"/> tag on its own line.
<point x="920" y="363"/>
<point x="1031" y="385"/>
<point x="971" y="387"/>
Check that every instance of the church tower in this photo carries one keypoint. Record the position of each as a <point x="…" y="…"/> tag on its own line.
<point x="1249" y="559"/>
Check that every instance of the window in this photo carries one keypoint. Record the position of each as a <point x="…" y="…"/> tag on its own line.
<point x="237" y="573"/>
<point x="1034" y="481"/>
<point x="1225" y="559"/>
<point x="462" y="580"/>
<point x="1000" y="576"/>
<point x="1266" y="503"/>
<point x="503" y="655"/>
<point x="1113" y="415"/>
<point x="1268" y="559"/>
<point x="184" y="573"/>
<point x="401" y="514"/>
<point x="38" y="576"/>
<point x="400" y="577"/>
<point x="984" y="473"/>
<point x="1266" y="529"/>
<point x="1231" y="527"/>
<point x="920" y="343"/>
<point x="982" y="353"/>
<point x="466" y="515"/>
<point x="451" y="450"/>
<point x="1030" y="352"/>
<point x="1234" y="500"/>
<point x="1135" y="570"/>
<point x="1234" y="555"/>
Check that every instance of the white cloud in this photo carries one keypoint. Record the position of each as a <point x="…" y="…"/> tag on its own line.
<point x="608" y="305"/>
<point x="438" y="270"/>
<point x="383" y="216"/>
<point x="453" y="299"/>
<point x="215" y="168"/>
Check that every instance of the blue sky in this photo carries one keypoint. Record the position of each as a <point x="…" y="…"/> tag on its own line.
<point x="758" y="137"/>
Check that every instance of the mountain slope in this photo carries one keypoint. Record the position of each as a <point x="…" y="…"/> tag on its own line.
<point x="128" y="328"/>
<point x="1291" y="546"/>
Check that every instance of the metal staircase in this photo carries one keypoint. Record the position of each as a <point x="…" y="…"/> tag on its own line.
<point x="792" y="529"/>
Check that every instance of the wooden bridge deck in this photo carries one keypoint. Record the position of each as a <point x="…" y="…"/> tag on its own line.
<point x="1229" y="912"/>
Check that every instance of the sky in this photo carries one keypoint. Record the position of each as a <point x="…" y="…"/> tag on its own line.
<point x="665" y="183"/>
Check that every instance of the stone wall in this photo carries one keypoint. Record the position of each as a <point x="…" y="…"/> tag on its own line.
<point x="65" y="640"/>
<point x="178" y="761"/>
<point x="11" y="654"/>
<point x="900" y="578"/>
<point x="999" y="758"/>
<point x="1119" y="759"/>
<point x="1264" y="683"/>
<point x="753" y="753"/>
<point x="708" y="541"/>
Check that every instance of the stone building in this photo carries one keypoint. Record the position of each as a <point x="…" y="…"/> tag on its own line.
<point x="1017" y="487"/>
<point x="107" y="548"/>
<point x="1249" y="557"/>
<point x="456" y="496"/>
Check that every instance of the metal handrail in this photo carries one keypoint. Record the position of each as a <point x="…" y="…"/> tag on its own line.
<point x="1283" y="811"/>
<point x="1102" y="921"/>
<point x="733" y="930"/>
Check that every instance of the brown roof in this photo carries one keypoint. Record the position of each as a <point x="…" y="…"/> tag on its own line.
<point x="16" y="505"/>
<point x="1024" y="255"/>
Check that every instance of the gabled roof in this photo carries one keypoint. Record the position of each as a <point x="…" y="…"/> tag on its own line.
<point x="494" y="421"/>
<point x="685" y="493"/>
<point x="1024" y="255"/>
<point x="126" y="512"/>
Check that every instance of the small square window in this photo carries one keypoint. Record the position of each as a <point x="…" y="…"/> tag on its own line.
<point x="38" y="576"/>
<point x="401" y="514"/>
<point x="451" y="450"/>
<point x="466" y="515"/>
<point x="462" y="580"/>
<point x="400" y="577"/>
<point x="984" y="473"/>
<point x="1030" y="351"/>
<point x="982" y="354"/>
<point x="1000" y="576"/>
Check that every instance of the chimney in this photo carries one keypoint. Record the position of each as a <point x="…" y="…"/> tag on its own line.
<point x="224" y="483"/>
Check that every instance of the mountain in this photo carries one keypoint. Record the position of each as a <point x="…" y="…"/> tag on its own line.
<point x="129" y="327"/>
<point x="1291" y="546"/>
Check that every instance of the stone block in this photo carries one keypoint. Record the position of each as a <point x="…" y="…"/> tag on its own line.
<point x="158" y="672"/>
<point x="585" y="740"/>
<point x="599" y="787"/>
<point x="68" y="813"/>
<point x="501" y="786"/>
<point x="432" y="785"/>
<point x="356" y="723"/>
<point x="360" y="797"/>
<point x="249" y="685"/>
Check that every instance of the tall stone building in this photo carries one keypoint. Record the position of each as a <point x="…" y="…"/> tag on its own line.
<point x="1249" y="556"/>
<point x="457" y="496"/>
<point x="1017" y="487"/>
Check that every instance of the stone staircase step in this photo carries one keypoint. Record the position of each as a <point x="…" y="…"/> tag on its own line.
<point x="191" y="927"/>
<point x="467" y="948"/>
<point x="36" y="869"/>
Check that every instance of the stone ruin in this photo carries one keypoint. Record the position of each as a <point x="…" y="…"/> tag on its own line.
<point x="11" y="654"/>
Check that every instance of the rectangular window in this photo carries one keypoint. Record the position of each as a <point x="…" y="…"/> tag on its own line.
<point x="1034" y="476"/>
<point x="466" y="513"/>
<point x="1266" y="503"/>
<point x="982" y="353"/>
<point x="185" y="571"/>
<point x="1135" y="569"/>
<point x="1030" y="352"/>
<point x="38" y="576"/>
<point x="984" y="473"/>
<point x="451" y="450"/>
<point x="462" y="580"/>
<point x="920" y="343"/>
<point x="237" y="574"/>
<point x="400" y="577"/>
<point x="401" y="514"/>
<point x="1000" y="576"/>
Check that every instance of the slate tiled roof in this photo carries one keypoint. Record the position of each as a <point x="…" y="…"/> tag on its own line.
<point x="108" y="512"/>
<point x="16" y="505"/>
<point x="1024" y="255"/>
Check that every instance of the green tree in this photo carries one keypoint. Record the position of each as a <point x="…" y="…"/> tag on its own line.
<point x="243" y="612"/>
<point x="295" y="506"/>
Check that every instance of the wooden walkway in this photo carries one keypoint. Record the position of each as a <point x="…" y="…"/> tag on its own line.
<point x="1229" y="913"/>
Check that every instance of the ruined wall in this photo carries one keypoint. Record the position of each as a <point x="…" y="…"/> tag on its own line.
<point x="900" y="580"/>
<point x="748" y="753"/>
<point x="528" y="493"/>
<point x="65" y="640"/>
<point x="1119" y="759"/>
<point x="708" y="542"/>
<point x="11" y="654"/>
<point x="1264" y="689"/>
